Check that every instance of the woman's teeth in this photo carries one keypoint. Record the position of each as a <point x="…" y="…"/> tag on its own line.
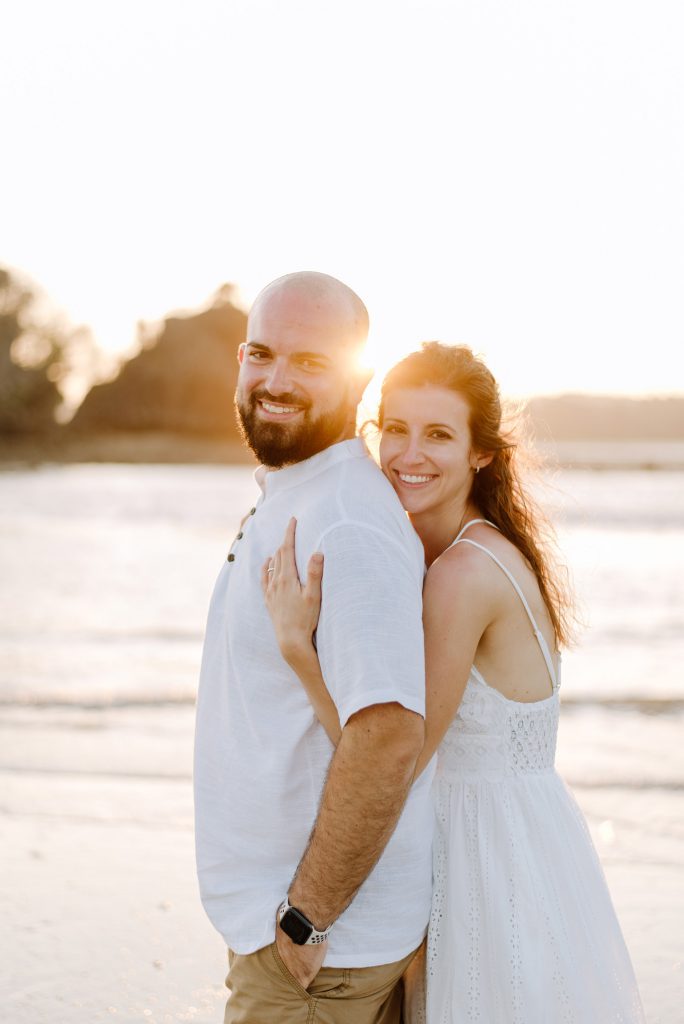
<point x="410" y="479"/>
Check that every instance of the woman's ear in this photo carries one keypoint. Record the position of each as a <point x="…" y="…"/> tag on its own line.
<point x="481" y="460"/>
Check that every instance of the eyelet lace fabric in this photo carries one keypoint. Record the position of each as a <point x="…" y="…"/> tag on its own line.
<point x="522" y="930"/>
<point x="492" y="737"/>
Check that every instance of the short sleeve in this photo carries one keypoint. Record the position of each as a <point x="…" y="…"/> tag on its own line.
<point x="370" y="631"/>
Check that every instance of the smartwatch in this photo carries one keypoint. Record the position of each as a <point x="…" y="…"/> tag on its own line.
<point x="298" y="926"/>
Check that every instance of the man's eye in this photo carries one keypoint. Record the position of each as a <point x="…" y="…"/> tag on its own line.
<point x="258" y="356"/>
<point x="310" y="364"/>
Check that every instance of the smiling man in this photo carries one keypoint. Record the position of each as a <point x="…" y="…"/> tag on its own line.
<point x="299" y="381"/>
<point x="314" y="864"/>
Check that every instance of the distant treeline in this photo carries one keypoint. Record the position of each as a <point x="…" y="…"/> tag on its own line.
<point x="182" y="382"/>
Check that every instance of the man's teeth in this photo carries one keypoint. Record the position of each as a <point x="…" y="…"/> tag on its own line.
<point x="414" y="479"/>
<point x="279" y="409"/>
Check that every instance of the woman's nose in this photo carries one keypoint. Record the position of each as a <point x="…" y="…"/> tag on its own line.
<point x="413" y="452"/>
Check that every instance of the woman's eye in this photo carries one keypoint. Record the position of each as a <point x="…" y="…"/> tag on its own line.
<point x="440" y="435"/>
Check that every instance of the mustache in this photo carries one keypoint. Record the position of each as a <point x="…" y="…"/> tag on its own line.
<point x="289" y="398"/>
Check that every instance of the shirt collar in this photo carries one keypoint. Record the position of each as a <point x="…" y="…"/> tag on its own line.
<point x="274" y="480"/>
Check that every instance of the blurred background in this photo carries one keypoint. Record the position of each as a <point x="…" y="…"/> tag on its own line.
<point x="507" y="176"/>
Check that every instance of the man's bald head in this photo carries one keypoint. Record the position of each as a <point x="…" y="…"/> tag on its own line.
<point x="311" y="295"/>
<point x="300" y="377"/>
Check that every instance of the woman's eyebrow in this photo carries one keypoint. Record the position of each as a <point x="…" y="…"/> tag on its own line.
<point x="427" y="426"/>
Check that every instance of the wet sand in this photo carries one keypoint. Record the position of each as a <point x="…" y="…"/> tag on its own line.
<point x="100" y="910"/>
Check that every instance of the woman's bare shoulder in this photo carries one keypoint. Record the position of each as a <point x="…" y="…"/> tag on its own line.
<point x="462" y="570"/>
<point x="467" y="571"/>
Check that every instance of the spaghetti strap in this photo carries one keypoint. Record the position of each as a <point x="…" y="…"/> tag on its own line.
<point x="471" y="522"/>
<point x="541" y="639"/>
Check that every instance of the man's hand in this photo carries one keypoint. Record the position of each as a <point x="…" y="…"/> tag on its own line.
<point x="303" y="962"/>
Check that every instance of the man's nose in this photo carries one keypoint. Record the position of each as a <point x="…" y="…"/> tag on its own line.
<point x="279" y="379"/>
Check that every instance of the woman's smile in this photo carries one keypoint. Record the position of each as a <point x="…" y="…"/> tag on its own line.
<point x="414" y="480"/>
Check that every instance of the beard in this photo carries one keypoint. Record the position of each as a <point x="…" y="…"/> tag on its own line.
<point x="281" y="444"/>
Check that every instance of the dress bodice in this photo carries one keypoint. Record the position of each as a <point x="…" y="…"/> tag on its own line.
<point x="492" y="737"/>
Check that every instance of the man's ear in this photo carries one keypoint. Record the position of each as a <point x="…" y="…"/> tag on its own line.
<point x="241" y="352"/>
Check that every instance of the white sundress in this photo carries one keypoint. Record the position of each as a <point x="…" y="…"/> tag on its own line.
<point x="522" y="929"/>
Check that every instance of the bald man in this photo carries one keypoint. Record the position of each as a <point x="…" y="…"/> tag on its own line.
<point x="314" y="863"/>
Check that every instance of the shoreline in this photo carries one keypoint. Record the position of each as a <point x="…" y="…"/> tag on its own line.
<point x="157" y="447"/>
<point x="122" y="447"/>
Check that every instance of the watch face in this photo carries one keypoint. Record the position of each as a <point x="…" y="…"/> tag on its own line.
<point x="296" y="926"/>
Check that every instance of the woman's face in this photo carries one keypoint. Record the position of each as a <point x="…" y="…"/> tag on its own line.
<point x="425" y="449"/>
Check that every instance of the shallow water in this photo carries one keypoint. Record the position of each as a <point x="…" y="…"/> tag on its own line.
<point x="107" y="571"/>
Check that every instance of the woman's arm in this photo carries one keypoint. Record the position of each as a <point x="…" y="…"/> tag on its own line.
<point x="294" y="611"/>
<point x="457" y="609"/>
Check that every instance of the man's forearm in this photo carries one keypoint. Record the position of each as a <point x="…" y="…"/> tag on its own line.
<point x="367" y="785"/>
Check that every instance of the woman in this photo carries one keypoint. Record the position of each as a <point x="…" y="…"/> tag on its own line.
<point x="522" y="928"/>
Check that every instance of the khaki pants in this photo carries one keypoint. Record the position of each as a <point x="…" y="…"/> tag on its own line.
<point x="262" y="991"/>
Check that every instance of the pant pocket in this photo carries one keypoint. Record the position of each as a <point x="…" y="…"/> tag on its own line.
<point x="285" y="974"/>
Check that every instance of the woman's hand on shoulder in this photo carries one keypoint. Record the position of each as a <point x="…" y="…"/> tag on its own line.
<point x="294" y="607"/>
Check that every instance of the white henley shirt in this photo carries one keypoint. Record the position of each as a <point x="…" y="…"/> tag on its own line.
<point x="261" y="755"/>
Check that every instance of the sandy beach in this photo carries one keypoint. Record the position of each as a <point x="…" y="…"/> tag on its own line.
<point x="100" y="911"/>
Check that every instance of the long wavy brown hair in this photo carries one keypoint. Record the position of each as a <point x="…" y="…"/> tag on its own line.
<point x="498" y="490"/>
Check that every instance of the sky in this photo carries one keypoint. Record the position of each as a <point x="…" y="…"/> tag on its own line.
<point x="505" y="175"/>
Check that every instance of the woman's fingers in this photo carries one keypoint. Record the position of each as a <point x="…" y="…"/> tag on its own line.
<point x="314" y="575"/>
<point x="287" y="548"/>
<point x="281" y="567"/>
<point x="285" y="559"/>
<point x="265" y="574"/>
<point x="289" y="541"/>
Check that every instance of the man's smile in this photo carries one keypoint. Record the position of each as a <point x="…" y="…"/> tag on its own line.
<point x="275" y="410"/>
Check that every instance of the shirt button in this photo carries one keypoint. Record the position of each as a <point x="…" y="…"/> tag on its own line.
<point x="239" y="536"/>
<point x="231" y="557"/>
<point x="252" y="511"/>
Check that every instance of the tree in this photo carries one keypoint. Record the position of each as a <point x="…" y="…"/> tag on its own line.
<point x="182" y="380"/>
<point x="45" y="365"/>
<point x="28" y="352"/>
